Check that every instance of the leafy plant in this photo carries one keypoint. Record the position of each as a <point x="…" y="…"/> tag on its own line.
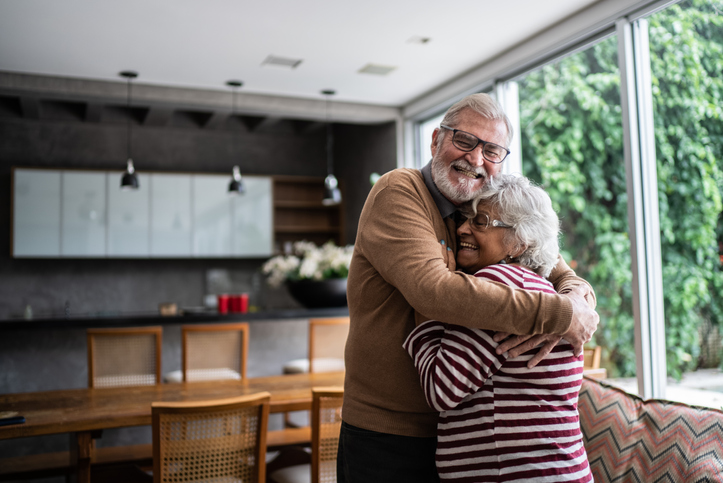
<point x="572" y="144"/>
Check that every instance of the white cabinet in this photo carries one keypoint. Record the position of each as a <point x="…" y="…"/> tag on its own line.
<point x="36" y="213"/>
<point x="211" y="216"/>
<point x="83" y="214"/>
<point x="252" y="219"/>
<point x="128" y="217"/>
<point x="170" y="215"/>
<point x="71" y="213"/>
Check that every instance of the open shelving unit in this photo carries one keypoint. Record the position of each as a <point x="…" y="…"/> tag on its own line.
<point x="300" y="215"/>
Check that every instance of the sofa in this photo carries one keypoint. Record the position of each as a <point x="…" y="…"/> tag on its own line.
<point x="629" y="439"/>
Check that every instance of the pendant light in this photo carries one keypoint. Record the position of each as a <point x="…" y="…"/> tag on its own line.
<point x="332" y="194"/>
<point x="236" y="186"/>
<point x="129" y="181"/>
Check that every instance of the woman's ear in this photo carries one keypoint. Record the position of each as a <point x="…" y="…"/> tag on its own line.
<point x="518" y="251"/>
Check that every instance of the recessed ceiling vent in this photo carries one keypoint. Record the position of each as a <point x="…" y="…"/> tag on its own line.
<point x="418" y="40"/>
<point x="376" y="69"/>
<point x="282" y="62"/>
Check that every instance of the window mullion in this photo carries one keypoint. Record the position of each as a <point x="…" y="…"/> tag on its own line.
<point x="643" y="221"/>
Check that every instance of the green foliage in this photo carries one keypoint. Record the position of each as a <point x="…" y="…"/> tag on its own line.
<point x="572" y="145"/>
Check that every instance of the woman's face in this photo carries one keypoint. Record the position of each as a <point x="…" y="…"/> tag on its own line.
<point x="478" y="246"/>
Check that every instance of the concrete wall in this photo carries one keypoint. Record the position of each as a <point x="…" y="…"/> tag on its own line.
<point x="34" y="360"/>
<point x="61" y="140"/>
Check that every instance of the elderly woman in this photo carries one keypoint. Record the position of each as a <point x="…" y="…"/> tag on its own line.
<point x="501" y="421"/>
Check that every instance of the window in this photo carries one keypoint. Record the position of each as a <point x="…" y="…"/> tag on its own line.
<point x="571" y="136"/>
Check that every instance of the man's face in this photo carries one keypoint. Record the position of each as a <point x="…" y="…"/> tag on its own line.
<point x="459" y="174"/>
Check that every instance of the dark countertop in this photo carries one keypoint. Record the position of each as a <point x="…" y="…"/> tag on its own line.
<point x="137" y="320"/>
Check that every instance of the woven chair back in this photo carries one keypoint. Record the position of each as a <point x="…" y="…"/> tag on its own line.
<point x="327" y="339"/>
<point x="223" y="440"/>
<point x="124" y="356"/>
<point x="212" y="352"/>
<point x="325" y="428"/>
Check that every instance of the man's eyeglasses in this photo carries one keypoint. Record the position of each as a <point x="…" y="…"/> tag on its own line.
<point x="494" y="153"/>
<point x="482" y="221"/>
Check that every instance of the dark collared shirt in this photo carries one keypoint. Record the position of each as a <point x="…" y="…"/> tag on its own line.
<point x="446" y="207"/>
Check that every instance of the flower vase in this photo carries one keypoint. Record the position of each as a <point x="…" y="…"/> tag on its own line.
<point x="314" y="294"/>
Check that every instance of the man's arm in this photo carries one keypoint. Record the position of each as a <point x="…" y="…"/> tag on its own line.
<point x="584" y="319"/>
<point x="397" y="236"/>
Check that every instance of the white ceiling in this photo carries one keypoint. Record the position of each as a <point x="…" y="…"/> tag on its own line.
<point x="204" y="43"/>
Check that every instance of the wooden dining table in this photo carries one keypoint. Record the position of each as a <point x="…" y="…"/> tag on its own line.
<point x="81" y="412"/>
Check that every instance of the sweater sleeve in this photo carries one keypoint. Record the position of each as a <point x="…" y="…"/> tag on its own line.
<point x="397" y="236"/>
<point x="453" y="361"/>
<point x="564" y="279"/>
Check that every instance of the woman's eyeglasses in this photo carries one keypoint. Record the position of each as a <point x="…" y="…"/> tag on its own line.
<point x="482" y="221"/>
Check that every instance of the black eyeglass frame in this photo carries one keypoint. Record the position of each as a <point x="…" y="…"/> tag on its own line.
<point x="490" y="223"/>
<point x="479" y="141"/>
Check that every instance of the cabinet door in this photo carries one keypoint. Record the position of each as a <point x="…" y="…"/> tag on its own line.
<point x="128" y="217"/>
<point x="211" y="216"/>
<point x="252" y="229"/>
<point x="170" y="215"/>
<point x="36" y="213"/>
<point x="83" y="215"/>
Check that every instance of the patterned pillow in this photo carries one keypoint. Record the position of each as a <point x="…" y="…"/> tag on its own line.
<point x="628" y="439"/>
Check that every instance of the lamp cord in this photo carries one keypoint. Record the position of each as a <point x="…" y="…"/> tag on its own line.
<point x="329" y="139"/>
<point x="129" y="118"/>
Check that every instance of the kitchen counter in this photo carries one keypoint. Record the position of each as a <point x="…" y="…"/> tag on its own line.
<point x="144" y="319"/>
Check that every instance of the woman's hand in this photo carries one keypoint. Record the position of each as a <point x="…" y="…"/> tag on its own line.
<point x="519" y="344"/>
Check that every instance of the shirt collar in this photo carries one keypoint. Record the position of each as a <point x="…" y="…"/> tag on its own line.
<point x="445" y="207"/>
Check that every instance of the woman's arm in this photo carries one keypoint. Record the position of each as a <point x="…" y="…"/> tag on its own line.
<point x="453" y="361"/>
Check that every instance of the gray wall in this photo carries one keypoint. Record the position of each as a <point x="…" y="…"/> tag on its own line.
<point x="62" y="139"/>
<point x="34" y="360"/>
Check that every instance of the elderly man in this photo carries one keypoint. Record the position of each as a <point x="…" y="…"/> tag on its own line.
<point x="403" y="273"/>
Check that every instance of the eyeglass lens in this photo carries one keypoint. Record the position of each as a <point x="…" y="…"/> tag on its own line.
<point x="480" y="222"/>
<point x="467" y="142"/>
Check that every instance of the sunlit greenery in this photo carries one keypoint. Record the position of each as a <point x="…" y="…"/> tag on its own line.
<point x="572" y="144"/>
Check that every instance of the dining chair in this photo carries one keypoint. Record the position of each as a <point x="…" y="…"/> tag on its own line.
<point x="327" y="340"/>
<point x="325" y="429"/>
<point x="128" y="356"/>
<point x="219" y="440"/>
<point x="212" y="352"/>
<point x="591" y="363"/>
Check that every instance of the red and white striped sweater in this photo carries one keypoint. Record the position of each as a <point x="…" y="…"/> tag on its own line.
<point x="500" y="421"/>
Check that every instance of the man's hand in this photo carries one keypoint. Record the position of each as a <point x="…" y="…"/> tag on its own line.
<point x="520" y="344"/>
<point x="584" y="320"/>
<point x="583" y="326"/>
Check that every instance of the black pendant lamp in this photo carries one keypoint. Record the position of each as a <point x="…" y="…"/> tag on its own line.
<point x="332" y="194"/>
<point x="236" y="186"/>
<point x="129" y="181"/>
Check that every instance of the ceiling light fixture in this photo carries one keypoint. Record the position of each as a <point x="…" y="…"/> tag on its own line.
<point x="332" y="194"/>
<point x="129" y="181"/>
<point x="236" y="186"/>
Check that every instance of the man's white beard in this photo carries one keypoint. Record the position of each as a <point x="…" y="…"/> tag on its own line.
<point x="456" y="192"/>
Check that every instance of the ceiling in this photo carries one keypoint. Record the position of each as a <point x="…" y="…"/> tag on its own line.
<point x="204" y="43"/>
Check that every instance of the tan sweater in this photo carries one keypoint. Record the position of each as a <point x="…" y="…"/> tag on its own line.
<point x="402" y="274"/>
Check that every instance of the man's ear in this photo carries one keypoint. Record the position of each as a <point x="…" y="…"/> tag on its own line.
<point x="435" y="134"/>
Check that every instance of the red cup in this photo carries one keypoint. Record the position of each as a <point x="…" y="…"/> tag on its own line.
<point x="244" y="303"/>
<point x="235" y="303"/>
<point x="223" y="303"/>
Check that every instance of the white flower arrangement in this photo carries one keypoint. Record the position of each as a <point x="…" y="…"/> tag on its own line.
<point x="309" y="262"/>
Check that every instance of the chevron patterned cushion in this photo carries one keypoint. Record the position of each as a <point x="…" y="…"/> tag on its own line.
<point x="631" y="440"/>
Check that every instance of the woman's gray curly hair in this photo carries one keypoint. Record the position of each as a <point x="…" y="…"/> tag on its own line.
<point x="528" y="209"/>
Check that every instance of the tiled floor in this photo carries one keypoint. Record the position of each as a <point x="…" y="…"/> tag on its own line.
<point x="700" y="388"/>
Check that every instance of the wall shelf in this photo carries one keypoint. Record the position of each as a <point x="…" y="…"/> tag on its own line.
<point x="300" y="215"/>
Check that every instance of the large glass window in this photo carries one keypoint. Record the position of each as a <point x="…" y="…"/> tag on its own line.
<point x="686" y="52"/>
<point x="425" y="129"/>
<point x="571" y="135"/>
